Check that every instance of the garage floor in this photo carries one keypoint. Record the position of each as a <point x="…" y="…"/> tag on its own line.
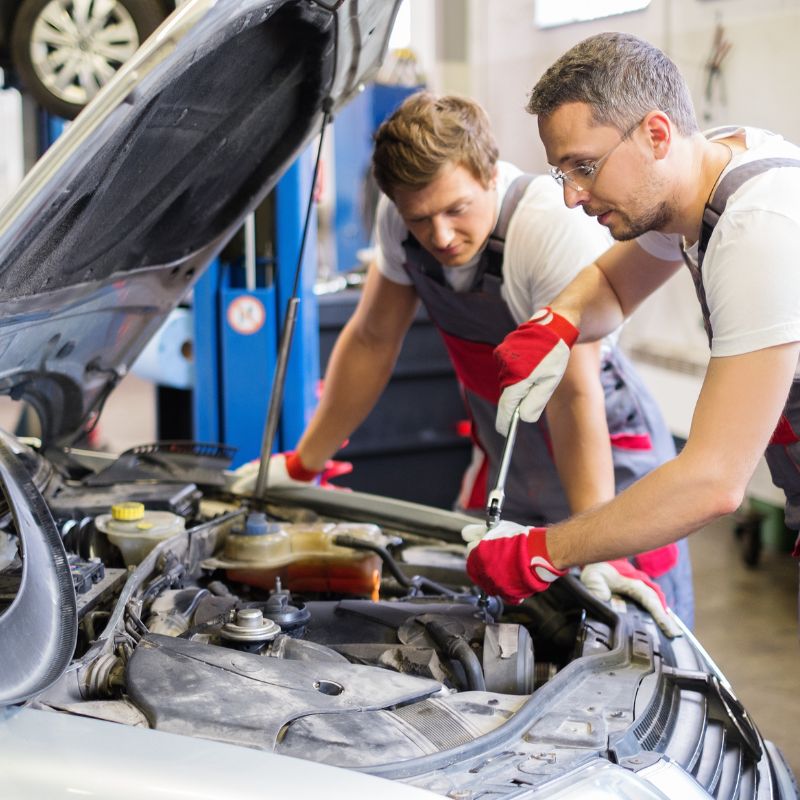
<point x="746" y="618"/>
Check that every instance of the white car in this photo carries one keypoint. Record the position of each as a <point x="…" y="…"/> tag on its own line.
<point x="65" y="51"/>
<point x="162" y="637"/>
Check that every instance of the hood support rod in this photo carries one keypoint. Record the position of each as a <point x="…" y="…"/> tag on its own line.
<point x="285" y="346"/>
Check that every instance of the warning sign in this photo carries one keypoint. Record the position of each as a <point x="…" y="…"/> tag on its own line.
<point x="246" y="315"/>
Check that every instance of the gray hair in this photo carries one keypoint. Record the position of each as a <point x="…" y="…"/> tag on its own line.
<point x="622" y="78"/>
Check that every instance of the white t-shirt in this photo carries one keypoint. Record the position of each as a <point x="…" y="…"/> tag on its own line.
<point x="546" y="245"/>
<point x="751" y="274"/>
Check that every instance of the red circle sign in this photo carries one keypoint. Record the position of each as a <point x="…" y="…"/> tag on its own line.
<point x="246" y="315"/>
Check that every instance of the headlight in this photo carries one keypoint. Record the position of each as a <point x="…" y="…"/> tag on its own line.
<point x="602" y="780"/>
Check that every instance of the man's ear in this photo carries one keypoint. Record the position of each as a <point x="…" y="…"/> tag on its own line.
<point x="659" y="129"/>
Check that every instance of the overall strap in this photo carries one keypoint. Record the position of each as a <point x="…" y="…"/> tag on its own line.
<point x="727" y="186"/>
<point x="419" y="257"/>
<point x="497" y="239"/>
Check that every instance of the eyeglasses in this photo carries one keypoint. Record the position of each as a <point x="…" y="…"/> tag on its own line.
<point x="587" y="173"/>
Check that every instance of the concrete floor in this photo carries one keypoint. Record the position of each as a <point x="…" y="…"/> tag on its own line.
<point x="746" y="618"/>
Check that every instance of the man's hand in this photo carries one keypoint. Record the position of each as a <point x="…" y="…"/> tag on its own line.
<point x="620" y="576"/>
<point x="284" y="470"/>
<point x="509" y="560"/>
<point x="531" y="361"/>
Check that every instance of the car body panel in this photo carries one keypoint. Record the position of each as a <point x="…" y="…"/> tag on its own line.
<point x="44" y="612"/>
<point x="42" y="753"/>
<point x="115" y="223"/>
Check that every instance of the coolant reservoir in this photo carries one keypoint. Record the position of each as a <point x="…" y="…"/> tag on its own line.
<point x="304" y="557"/>
<point x="136" y="531"/>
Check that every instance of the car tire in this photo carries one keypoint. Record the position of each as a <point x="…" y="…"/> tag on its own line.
<point x="59" y="57"/>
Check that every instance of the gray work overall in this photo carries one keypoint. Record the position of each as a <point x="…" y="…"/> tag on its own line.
<point x="472" y="324"/>
<point x="783" y="451"/>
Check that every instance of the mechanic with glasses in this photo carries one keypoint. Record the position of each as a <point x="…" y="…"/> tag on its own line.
<point x="617" y="121"/>
<point x="482" y="246"/>
<point x="582" y="177"/>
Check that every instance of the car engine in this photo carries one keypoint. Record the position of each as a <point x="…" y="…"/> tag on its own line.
<point x="274" y="627"/>
<point x="335" y="627"/>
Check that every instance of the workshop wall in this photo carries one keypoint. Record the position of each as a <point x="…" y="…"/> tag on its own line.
<point x="505" y="53"/>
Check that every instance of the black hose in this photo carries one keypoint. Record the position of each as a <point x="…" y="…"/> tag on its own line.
<point x="457" y="648"/>
<point x="416" y="583"/>
<point x="171" y="575"/>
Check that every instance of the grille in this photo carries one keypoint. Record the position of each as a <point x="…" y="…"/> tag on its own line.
<point x="695" y="721"/>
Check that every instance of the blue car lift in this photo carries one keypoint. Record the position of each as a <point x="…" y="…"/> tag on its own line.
<point x="356" y="123"/>
<point x="237" y="328"/>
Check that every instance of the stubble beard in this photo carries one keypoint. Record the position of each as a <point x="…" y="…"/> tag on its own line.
<point x="655" y="219"/>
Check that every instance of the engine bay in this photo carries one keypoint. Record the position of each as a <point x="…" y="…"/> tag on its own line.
<point x="276" y="627"/>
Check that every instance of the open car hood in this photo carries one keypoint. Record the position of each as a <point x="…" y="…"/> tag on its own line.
<point x="119" y="218"/>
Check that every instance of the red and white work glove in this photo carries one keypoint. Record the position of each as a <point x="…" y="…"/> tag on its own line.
<point x="659" y="561"/>
<point x="621" y="577"/>
<point x="509" y="560"/>
<point x="284" y="470"/>
<point x="531" y="361"/>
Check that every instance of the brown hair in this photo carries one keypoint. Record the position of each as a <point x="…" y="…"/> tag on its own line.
<point x="426" y="133"/>
<point x="622" y="78"/>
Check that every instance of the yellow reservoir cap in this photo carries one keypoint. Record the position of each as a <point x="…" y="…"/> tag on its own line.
<point x="127" y="511"/>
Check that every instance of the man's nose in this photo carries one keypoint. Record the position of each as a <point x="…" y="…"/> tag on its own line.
<point x="441" y="232"/>
<point x="574" y="196"/>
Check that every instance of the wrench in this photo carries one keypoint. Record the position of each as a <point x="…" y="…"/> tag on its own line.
<point x="494" y="503"/>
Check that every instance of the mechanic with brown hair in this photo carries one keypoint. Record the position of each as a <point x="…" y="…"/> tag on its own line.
<point x="482" y="245"/>
<point x="618" y="124"/>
